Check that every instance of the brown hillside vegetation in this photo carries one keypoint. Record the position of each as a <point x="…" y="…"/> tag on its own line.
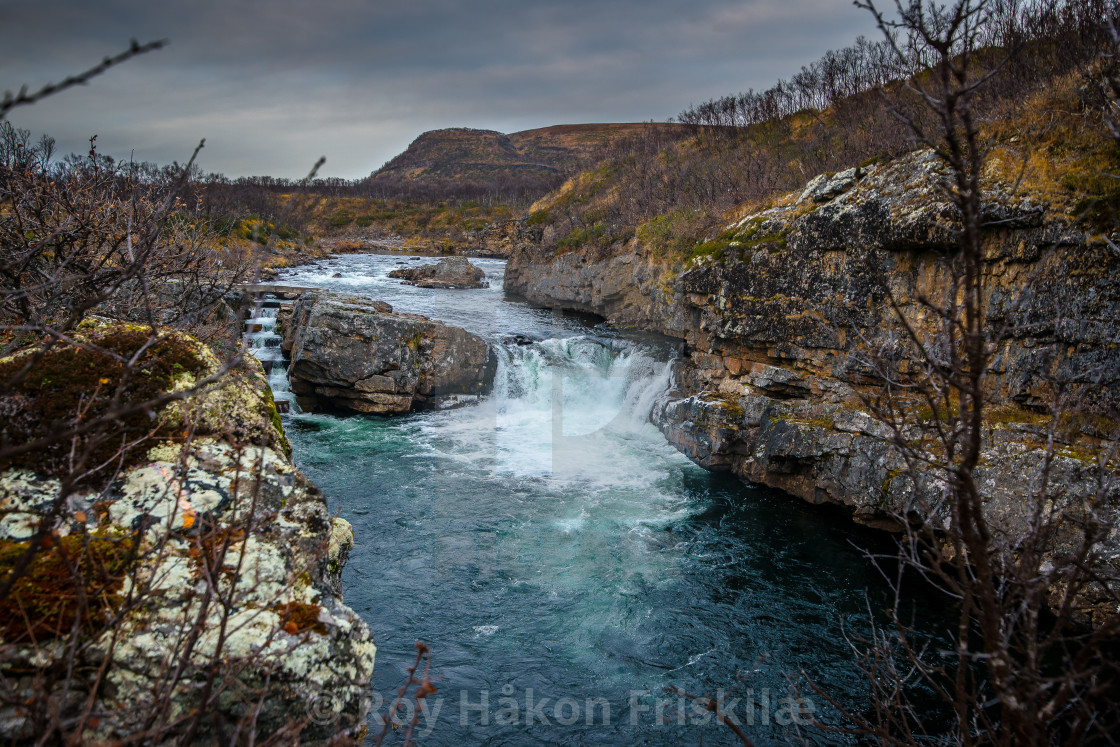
<point x="485" y="162"/>
<point x="573" y="146"/>
<point x="1041" y="117"/>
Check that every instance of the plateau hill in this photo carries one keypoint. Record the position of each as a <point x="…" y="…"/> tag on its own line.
<point x="522" y="164"/>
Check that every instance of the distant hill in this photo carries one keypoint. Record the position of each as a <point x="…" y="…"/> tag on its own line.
<point x="459" y="161"/>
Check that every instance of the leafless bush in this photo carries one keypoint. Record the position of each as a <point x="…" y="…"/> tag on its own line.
<point x="1032" y="658"/>
<point x="141" y="476"/>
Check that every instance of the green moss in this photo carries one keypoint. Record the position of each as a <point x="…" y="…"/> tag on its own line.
<point x="582" y="237"/>
<point x="1010" y="414"/>
<point x="539" y="218"/>
<point x="740" y="239"/>
<point x="891" y="475"/>
<point x="730" y="410"/>
<point x="44" y="602"/>
<point x="750" y="236"/>
<point x="733" y="409"/>
<point x="277" y="423"/>
<point x="716" y="250"/>
<point x="69" y="384"/>
<point x="926" y="414"/>
<point x="1087" y="455"/>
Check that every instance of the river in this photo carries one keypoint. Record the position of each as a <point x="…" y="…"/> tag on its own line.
<point x="565" y="564"/>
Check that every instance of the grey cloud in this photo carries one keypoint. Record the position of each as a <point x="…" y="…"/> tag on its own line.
<point x="272" y="84"/>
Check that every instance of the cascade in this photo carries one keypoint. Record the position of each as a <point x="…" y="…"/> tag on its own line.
<point x="548" y="543"/>
<point x="264" y="345"/>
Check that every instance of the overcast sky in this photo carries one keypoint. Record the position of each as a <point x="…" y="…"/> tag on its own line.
<point x="274" y="84"/>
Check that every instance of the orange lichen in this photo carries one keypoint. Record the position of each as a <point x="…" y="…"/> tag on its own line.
<point x="298" y="617"/>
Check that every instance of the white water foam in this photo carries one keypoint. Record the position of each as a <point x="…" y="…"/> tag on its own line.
<point x="571" y="411"/>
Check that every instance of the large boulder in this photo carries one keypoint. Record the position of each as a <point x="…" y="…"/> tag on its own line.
<point x="354" y="353"/>
<point x="206" y="557"/>
<point x="450" y="272"/>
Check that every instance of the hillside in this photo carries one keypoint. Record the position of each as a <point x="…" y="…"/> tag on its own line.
<point x="570" y="147"/>
<point x="530" y="162"/>
<point x="461" y="153"/>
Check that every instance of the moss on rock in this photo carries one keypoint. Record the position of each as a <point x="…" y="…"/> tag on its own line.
<point x="77" y="575"/>
<point x="71" y="383"/>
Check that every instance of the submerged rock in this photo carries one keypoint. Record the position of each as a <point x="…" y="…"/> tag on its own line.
<point x="353" y="353"/>
<point x="263" y="620"/>
<point x="450" y="272"/>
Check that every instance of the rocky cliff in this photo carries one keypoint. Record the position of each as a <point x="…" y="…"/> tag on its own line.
<point x="356" y="354"/>
<point x="206" y="564"/>
<point x="499" y="239"/>
<point x="783" y="310"/>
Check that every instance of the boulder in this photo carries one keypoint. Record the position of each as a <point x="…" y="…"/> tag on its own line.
<point x="281" y="643"/>
<point x="357" y="354"/>
<point x="450" y="272"/>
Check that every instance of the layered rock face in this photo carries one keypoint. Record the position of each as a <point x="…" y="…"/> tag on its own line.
<point x="450" y="272"/>
<point x="500" y="238"/>
<point x="352" y="353"/>
<point x="219" y="562"/>
<point x="784" y="310"/>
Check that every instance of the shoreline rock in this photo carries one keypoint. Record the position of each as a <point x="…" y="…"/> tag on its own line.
<point x="287" y="650"/>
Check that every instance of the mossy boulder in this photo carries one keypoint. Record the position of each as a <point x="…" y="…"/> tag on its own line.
<point x="59" y="386"/>
<point x="205" y="504"/>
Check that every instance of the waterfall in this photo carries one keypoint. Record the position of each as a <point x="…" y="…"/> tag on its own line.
<point x="560" y="407"/>
<point x="264" y="345"/>
<point x="584" y="383"/>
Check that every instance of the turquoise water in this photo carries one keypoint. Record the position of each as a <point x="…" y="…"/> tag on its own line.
<point x="565" y="564"/>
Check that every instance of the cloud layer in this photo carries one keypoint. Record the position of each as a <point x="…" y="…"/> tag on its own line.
<point x="273" y="84"/>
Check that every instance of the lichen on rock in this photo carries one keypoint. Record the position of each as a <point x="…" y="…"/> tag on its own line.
<point x="211" y="560"/>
